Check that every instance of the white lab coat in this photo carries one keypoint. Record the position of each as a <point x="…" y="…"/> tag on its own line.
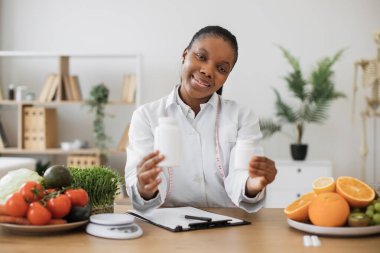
<point x="197" y="182"/>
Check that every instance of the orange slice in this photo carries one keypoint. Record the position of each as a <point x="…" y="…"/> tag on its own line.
<point x="324" y="184"/>
<point x="298" y="210"/>
<point x="356" y="192"/>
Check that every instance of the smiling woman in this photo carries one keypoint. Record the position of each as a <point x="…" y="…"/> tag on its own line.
<point x="210" y="127"/>
<point x="207" y="63"/>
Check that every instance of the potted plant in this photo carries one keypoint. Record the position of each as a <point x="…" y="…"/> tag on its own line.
<point x="313" y="97"/>
<point x="97" y="103"/>
<point x="102" y="185"/>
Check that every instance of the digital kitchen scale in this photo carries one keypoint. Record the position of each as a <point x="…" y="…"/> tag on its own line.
<point x="113" y="226"/>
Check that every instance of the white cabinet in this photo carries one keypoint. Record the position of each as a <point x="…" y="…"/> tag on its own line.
<point x="293" y="179"/>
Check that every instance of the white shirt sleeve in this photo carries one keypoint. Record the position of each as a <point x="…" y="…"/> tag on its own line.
<point x="259" y="196"/>
<point x="141" y="144"/>
<point x="236" y="180"/>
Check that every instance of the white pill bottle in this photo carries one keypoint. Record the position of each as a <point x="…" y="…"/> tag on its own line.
<point x="167" y="139"/>
<point x="244" y="151"/>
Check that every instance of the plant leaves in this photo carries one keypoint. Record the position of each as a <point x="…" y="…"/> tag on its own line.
<point x="315" y="96"/>
<point x="97" y="102"/>
<point x="268" y="127"/>
<point x="316" y="112"/>
<point x="284" y="111"/>
<point x="101" y="183"/>
<point x="291" y="59"/>
<point x="295" y="80"/>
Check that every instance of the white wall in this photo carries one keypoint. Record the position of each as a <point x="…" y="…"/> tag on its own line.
<point x="160" y="30"/>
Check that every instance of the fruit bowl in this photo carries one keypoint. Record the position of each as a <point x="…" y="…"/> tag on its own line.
<point x="42" y="229"/>
<point x="334" y="231"/>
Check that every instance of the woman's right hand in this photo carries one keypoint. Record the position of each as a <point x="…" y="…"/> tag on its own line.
<point x="147" y="172"/>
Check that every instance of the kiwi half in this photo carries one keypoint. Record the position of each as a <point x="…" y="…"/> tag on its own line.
<point x="358" y="220"/>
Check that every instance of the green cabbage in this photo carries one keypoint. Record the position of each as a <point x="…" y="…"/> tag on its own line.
<point x="13" y="181"/>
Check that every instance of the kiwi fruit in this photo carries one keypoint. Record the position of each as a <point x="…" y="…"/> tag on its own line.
<point x="358" y="220"/>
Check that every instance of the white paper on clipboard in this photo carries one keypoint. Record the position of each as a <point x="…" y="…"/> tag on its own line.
<point x="174" y="219"/>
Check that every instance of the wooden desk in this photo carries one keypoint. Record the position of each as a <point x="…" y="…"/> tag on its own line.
<point x="268" y="232"/>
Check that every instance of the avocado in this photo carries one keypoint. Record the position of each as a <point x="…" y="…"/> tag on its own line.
<point x="79" y="213"/>
<point x="57" y="176"/>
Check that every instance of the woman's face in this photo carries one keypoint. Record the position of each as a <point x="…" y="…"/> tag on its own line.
<point x="206" y="66"/>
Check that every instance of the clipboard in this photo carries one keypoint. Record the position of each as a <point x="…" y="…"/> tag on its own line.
<point x="180" y="219"/>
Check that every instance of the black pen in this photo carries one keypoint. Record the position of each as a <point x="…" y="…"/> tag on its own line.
<point x="191" y="217"/>
<point x="211" y="224"/>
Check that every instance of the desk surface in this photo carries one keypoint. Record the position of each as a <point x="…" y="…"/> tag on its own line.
<point x="268" y="232"/>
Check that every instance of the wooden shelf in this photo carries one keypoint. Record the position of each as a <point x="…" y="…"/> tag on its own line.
<point x="54" y="103"/>
<point x="83" y="62"/>
<point x="58" y="151"/>
<point x="68" y="54"/>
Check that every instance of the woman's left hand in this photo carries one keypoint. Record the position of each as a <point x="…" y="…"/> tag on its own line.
<point x="262" y="171"/>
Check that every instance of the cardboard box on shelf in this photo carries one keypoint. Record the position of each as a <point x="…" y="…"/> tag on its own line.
<point x="83" y="161"/>
<point x="40" y="128"/>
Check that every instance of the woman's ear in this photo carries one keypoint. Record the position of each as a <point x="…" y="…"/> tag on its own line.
<point x="184" y="55"/>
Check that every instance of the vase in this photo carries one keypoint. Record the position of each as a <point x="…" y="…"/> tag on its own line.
<point x="298" y="151"/>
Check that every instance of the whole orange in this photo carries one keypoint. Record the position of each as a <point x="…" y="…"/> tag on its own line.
<point x="329" y="210"/>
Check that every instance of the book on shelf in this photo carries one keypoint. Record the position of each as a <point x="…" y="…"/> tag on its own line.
<point x="58" y="94"/>
<point x="4" y="143"/>
<point x="53" y="91"/>
<point x="75" y="88"/>
<point x="60" y="87"/>
<point x="129" y="88"/>
<point x="46" y="88"/>
<point x="67" y="93"/>
<point x="1" y="144"/>
<point x="124" y="140"/>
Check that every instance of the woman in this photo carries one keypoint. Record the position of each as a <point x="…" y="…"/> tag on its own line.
<point x="210" y="126"/>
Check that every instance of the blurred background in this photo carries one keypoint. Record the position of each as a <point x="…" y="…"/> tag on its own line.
<point x="158" y="31"/>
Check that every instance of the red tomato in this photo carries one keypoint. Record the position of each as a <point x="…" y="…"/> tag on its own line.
<point x="38" y="214"/>
<point x="78" y="197"/>
<point x="32" y="191"/>
<point x="16" y="205"/>
<point x="59" y="206"/>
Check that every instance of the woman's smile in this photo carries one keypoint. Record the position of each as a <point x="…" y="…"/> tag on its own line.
<point x="198" y="82"/>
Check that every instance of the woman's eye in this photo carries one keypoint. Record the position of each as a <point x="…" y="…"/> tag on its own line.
<point x="201" y="57"/>
<point x="222" y="69"/>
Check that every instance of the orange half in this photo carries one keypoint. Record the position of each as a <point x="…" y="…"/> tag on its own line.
<point x="356" y="192"/>
<point x="298" y="210"/>
<point x="324" y="184"/>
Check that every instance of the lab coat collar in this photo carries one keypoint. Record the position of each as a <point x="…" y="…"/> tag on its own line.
<point x="172" y="98"/>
